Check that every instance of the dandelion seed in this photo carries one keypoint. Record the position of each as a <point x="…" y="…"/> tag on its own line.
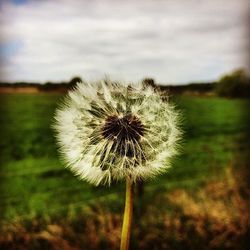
<point x="108" y="132"/>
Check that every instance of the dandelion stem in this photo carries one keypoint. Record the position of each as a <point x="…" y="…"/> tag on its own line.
<point x="127" y="217"/>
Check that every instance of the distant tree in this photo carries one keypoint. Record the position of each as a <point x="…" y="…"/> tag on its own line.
<point x="74" y="81"/>
<point x="149" y="82"/>
<point x="47" y="85"/>
<point x="236" y="84"/>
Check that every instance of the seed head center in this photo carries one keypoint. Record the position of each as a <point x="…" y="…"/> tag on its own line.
<point x="123" y="129"/>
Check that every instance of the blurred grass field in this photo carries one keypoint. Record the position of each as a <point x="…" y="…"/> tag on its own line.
<point x="35" y="186"/>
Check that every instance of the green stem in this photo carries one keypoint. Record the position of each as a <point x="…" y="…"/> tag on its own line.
<point x="127" y="218"/>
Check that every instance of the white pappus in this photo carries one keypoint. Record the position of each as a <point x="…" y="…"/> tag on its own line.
<point x="108" y="131"/>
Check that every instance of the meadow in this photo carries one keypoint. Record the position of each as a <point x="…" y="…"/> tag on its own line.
<point x="200" y="203"/>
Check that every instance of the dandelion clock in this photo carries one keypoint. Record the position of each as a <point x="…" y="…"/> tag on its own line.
<point x="108" y="131"/>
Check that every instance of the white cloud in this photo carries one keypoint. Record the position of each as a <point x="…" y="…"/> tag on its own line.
<point x="172" y="41"/>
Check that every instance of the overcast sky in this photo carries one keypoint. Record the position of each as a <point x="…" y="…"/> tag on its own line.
<point x="173" y="41"/>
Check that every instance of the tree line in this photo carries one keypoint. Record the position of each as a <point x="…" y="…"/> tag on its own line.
<point x="235" y="84"/>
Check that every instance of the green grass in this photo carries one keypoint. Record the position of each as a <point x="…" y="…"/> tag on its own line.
<point x="33" y="181"/>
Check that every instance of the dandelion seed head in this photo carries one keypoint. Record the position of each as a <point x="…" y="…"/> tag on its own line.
<point x="109" y="131"/>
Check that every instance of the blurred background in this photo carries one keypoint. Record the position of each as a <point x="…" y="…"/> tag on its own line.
<point x="195" y="52"/>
